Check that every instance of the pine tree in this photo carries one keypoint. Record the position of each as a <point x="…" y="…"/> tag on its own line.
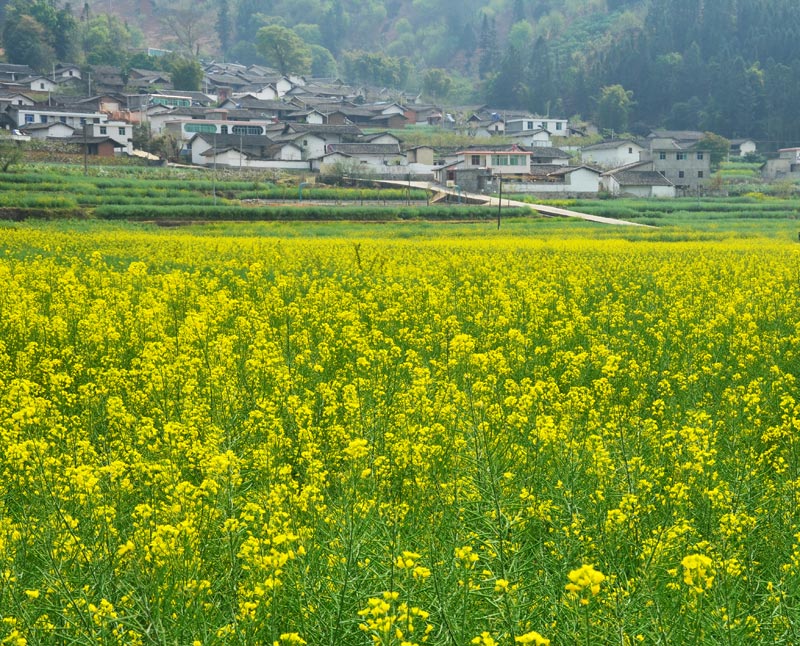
<point x="488" y="47"/>
<point x="224" y="26"/>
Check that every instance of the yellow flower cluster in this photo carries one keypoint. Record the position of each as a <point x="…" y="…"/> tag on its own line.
<point x="227" y="436"/>
<point x="390" y="622"/>
<point x="698" y="572"/>
<point x="584" y="582"/>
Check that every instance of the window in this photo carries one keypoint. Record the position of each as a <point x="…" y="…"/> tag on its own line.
<point x="700" y="174"/>
<point x="248" y="130"/>
<point x="43" y="118"/>
<point x="29" y="118"/>
<point x="544" y="125"/>
<point x="681" y="174"/>
<point x="476" y="160"/>
<point x="700" y="156"/>
<point x="630" y="150"/>
<point x="122" y="131"/>
<point x="200" y="127"/>
<point x="223" y="130"/>
<point x="529" y="125"/>
<point x="662" y="156"/>
<point x="62" y="119"/>
<point x="103" y="130"/>
<point x="41" y="86"/>
<point x="83" y="121"/>
<point x="680" y="156"/>
<point x="559" y="126"/>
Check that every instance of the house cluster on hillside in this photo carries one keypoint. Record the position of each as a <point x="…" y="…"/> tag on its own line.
<point x="253" y="117"/>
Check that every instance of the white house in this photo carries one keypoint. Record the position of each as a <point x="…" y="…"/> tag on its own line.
<point x="260" y="91"/>
<point x="742" y="147"/>
<point x="374" y="155"/>
<point x="244" y="152"/>
<point x="51" y="130"/>
<point x="41" y="84"/>
<point x="564" y="180"/>
<point x="185" y="129"/>
<point x="612" y="154"/>
<point x="639" y="183"/>
<point x="23" y="115"/>
<point x="500" y="160"/>
<point x="68" y="71"/>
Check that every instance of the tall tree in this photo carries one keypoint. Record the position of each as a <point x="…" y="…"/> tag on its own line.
<point x="613" y="108"/>
<point x="224" y="26"/>
<point x="283" y="49"/>
<point x="26" y="42"/>
<point x="190" y="22"/>
<point x="186" y="74"/>
<point x="488" y="47"/>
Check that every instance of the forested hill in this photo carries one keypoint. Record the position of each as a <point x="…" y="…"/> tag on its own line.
<point x="731" y="66"/>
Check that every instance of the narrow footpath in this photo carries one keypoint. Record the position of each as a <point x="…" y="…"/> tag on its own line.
<point x="441" y="192"/>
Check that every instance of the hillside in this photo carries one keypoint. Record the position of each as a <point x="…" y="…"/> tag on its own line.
<point x="729" y="66"/>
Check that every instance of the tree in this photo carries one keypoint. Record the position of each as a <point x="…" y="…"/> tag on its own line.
<point x="224" y="25"/>
<point x="376" y="68"/>
<point x="521" y="35"/>
<point x="10" y="153"/>
<point x="334" y="26"/>
<point x="26" y="43"/>
<point x="283" y="49"/>
<point x="322" y="62"/>
<point x="106" y="40"/>
<point x="190" y="21"/>
<point x="717" y="146"/>
<point x="488" y="47"/>
<point x="437" y="83"/>
<point x="613" y="108"/>
<point x="187" y="74"/>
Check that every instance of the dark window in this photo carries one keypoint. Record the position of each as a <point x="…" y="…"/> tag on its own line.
<point x="699" y="155"/>
<point x="476" y="160"/>
<point x="662" y="155"/>
<point x="103" y="130"/>
<point x="680" y="156"/>
<point x="700" y="174"/>
<point x="681" y="174"/>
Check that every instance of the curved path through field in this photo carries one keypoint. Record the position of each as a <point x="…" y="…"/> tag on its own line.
<point x="440" y="192"/>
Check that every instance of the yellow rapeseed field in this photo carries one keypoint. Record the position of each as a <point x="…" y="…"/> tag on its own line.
<point x="451" y="441"/>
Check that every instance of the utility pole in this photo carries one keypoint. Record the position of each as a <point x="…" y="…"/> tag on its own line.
<point x="85" y="152"/>
<point x="500" y="202"/>
<point x="214" y="171"/>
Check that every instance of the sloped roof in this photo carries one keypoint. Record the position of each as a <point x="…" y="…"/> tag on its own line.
<point x="611" y="144"/>
<point x="364" y="149"/>
<point x="324" y="128"/>
<point x="641" y="178"/>
<point x="548" y="152"/>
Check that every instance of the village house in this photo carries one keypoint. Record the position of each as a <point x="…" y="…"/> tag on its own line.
<point x="548" y="179"/>
<point x="252" y="151"/>
<point x="613" y="153"/>
<point x="638" y="181"/>
<point x="785" y="167"/>
<point x="531" y="138"/>
<point x="499" y="160"/>
<point x="74" y="116"/>
<point x="684" y="165"/>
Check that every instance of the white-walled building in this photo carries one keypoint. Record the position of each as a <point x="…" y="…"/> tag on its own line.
<point x="612" y="154"/>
